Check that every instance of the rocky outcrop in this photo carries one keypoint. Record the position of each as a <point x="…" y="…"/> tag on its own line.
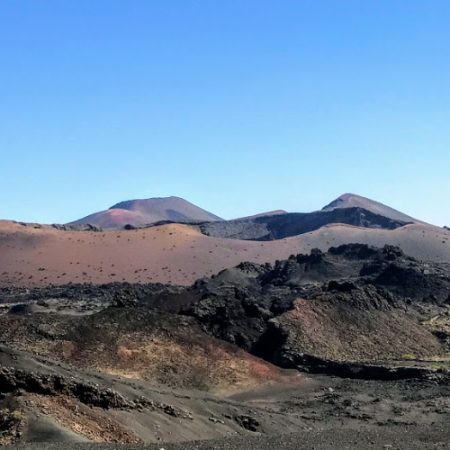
<point x="248" y="423"/>
<point x="109" y="293"/>
<point x="346" y="369"/>
<point x="80" y="227"/>
<point x="14" y="380"/>
<point x="352" y="301"/>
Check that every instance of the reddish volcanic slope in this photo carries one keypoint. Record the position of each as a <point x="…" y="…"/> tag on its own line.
<point x="175" y="253"/>
<point x="148" y="211"/>
<point x="112" y="218"/>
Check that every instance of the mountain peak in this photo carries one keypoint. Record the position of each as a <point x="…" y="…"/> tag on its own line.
<point x="349" y="200"/>
<point x="149" y="203"/>
<point x="141" y="212"/>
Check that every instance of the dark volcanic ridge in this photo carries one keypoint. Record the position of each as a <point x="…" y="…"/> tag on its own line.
<point x="353" y="303"/>
<point x="279" y="226"/>
<point x="349" y="209"/>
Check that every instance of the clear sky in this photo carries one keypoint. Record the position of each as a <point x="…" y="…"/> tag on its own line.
<point x="239" y="106"/>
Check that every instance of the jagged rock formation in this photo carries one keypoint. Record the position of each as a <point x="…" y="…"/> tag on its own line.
<point x="352" y="303"/>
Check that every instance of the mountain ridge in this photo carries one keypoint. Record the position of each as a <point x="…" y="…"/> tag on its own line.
<point x="144" y="212"/>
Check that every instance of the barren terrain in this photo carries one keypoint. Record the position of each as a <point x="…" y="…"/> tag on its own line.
<point x="175" y="253"/>
<point x="174" y="336"/>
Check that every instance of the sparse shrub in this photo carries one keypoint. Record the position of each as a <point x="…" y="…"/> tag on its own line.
<point x="11" y="419"/>
<point x="409" y="357"/>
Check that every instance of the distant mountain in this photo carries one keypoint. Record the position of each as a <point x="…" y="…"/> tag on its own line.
<point x="356" y="201"/>
<point x="146" y="212"/>
<point x="348" y="209"/>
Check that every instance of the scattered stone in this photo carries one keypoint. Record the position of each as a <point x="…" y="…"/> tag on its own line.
<point x="248" y="422"/>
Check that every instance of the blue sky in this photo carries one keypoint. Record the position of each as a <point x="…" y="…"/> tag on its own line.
<point x="239" y="106"/>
